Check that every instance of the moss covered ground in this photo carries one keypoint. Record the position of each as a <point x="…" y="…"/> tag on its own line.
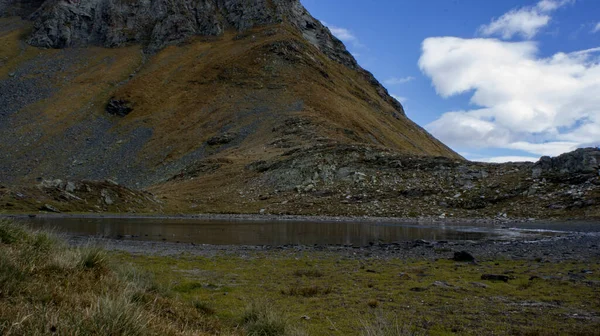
<point x="329" y="294"/>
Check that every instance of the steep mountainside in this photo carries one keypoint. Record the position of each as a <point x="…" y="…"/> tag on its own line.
<point x="212" y="105"/>
<point x="248" y="75"/>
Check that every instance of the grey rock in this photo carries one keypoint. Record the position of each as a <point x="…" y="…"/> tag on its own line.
<point x="442" y="284"/>
<point x="70" y="187"/>
<point x="106" y="197"/>
<point x="582" y="161"/>
<point x="50" y="184"/>
<point x="49" y="208"/>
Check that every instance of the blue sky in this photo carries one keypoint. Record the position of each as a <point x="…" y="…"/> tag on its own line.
<point x="495" y="80"/>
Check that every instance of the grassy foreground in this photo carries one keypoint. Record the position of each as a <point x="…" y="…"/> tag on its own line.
<point x="47" y="287"/>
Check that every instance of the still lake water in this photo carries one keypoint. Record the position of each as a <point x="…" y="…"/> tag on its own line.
<point x="256" y="232"/>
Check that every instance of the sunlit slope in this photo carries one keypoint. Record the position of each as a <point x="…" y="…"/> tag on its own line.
<point x="237" y="98"/>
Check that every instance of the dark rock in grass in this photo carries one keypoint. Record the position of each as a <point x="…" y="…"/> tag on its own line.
<point x="463" y="256"/>
<point x="418" y="289"/>
<point x="495" y="277"/>
<point x="221" y="139"/>
<point x="119" y="107"/>
<point x="49" y="208"/>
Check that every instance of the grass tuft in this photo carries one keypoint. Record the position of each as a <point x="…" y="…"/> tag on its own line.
<point x="11" y="232"/>
<point x="204" y="307"/>
<point x="93" y="258"/>
<point x="115" y="316"/>
<point x="384" y="326"/>
<point x="262" y="319"/>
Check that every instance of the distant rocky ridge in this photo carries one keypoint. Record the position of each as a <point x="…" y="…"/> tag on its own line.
<point x="158" y="23"/>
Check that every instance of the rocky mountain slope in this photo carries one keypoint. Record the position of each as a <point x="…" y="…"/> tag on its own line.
<point x="218" y="106"/>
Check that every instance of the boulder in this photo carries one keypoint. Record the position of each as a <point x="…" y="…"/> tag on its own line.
<point x="463" y="256"/>
<point x="49" y="208"/>
<point x="495" y="277"/>
<point x="119" y="107"/>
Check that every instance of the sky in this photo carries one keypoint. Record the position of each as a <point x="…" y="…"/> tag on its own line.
<point x="496" y="81"/>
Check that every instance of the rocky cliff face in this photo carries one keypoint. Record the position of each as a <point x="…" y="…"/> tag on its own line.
<point x="158" y="23"/>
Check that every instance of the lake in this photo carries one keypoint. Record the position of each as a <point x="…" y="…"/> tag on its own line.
<point x="289" y="232"/>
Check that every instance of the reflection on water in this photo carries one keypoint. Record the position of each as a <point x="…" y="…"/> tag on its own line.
<point x="221" y="232"/>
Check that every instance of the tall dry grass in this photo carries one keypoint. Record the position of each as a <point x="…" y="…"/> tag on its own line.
<point x="48" y="287"/>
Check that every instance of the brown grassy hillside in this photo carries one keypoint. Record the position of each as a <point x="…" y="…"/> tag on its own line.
<point x="235" y="99"/>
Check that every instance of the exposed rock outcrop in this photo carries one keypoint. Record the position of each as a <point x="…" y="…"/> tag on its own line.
<point x="119" y="107"/>
<point x="581" y="161"/>
<point x="158" y="23"/>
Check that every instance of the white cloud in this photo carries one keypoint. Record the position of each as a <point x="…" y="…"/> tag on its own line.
<point x="344" y="34"/>
<point x="544" y="106"/>
<point x="503" y="159"/>
<point x="552" y="5"/>
<point x="596" y="28"/>
<point x="524" y="21"/>
<point x="399" y="98"/>
<point x="396" y="80"/>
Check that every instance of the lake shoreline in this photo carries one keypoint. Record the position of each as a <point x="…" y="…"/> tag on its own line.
<point x="566" y="247"/>
<point x="301" y="218"/>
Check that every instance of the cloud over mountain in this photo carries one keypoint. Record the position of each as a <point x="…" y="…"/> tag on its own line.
<point x="542" y="105"/>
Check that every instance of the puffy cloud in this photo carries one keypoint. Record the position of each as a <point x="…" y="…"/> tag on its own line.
<point x="525" y="21"/>
<point x="544" y="106"/>
<point x="396" y="80"/>
<point x="596" y="28"/>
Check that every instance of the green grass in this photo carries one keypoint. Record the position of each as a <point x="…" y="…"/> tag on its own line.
<point x="48" y="287"/>
<point x="263" y="319"/>
<point x="348" y="298"/>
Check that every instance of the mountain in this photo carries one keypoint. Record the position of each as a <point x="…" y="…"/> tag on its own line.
<point x="210" y="105"/>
